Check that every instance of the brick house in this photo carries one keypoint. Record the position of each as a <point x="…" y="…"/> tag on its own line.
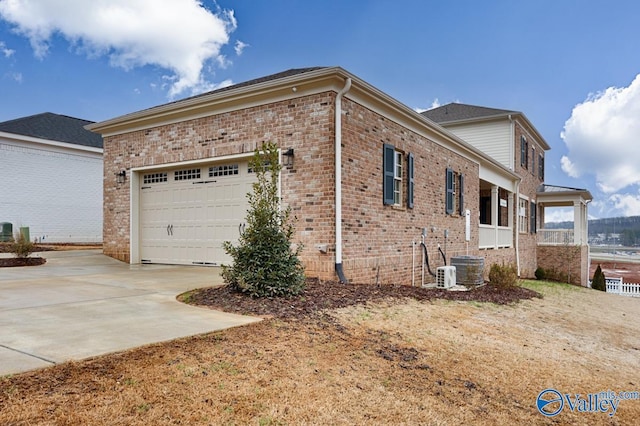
<point x="365" y="176"/>
<point x="51" y="177"/>
<point x="510" y="138"/>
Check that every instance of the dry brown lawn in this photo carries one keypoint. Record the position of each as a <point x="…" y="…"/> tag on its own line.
<point x="388" y="362"/>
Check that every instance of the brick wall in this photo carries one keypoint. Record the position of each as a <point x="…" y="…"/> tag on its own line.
<point x="528" y="187"/>
<point x="55" y="191"/>
<point x="566" y="263"/>
<point x="305" y="124"/>
<point x="378" y="240"/>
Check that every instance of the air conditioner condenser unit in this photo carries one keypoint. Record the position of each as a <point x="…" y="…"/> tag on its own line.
<point x="446" y="276"/>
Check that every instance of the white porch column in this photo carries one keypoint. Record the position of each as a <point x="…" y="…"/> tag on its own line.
<point x="577" y="222"/>
<point x="585" y="223"/>
<point x="495" y="203"/>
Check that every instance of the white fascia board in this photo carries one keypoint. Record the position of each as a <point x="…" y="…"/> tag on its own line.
<point x="46" y="144"/>
<point x="215" y="103"/>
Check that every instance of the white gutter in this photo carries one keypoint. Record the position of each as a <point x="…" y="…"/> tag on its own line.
<point x="338" y="182"/>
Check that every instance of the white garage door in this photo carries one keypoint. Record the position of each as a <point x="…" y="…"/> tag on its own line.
<point x="186" y="214"/>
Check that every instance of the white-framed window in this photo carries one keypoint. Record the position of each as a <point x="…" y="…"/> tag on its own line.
<point x="394" y="173"/>
<point x="523" y="212"/>
<point x="454" y="199"/>
<point x="397" y="178"/>
<point x="524" y="152"/>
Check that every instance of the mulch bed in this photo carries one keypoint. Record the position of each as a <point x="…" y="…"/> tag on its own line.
<point x="319" y="295"/>
<point x="22" y="261"/>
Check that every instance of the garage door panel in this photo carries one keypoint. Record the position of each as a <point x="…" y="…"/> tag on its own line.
<point x="201" y="214"/>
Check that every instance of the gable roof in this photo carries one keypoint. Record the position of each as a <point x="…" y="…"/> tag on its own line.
<point x="458" y="112"/>
<point x="455" y="113"/>
<point x="54" y="127"/>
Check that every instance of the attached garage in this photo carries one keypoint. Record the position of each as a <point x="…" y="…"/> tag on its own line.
<point x="185" y="212"/>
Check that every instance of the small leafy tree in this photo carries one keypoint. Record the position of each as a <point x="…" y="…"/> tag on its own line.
<point x="598" y="282"/>
<point x="264" y="263"/>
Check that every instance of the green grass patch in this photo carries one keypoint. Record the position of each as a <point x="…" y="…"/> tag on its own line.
<point x="549" y="287"/>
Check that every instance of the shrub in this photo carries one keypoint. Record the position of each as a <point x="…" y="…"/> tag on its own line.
<point x="264" y="263"/>
<point x="540" y="274"/>
<point x="503" y="276"/>
<point x="21" y="247"/>
<point x="598" y="282"/>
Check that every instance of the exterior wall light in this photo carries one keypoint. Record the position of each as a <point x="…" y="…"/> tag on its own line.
<point x="121" y="176"/>
<point x="288" y="158"/>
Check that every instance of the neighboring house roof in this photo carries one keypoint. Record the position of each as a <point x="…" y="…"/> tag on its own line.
<point x="457" y="112"/>
<point x="54" y="127"/>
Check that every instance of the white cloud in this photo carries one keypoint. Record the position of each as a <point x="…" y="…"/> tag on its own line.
<point x="558" y="214"/>
<point x="240" y="46"/>
<point x="435" y="104"/>
<point x="603" y="138"/>
<point x="5" y="50"/>
<point x="181" y="36"/>
<point x="629" y="204"/>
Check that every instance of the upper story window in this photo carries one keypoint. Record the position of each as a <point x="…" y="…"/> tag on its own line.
<point x="541" y="167"/>
<point x="533" y="160"/>
<point x="524" y="152"/>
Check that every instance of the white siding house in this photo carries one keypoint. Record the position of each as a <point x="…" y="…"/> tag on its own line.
<point x="493" y="138"/>
<point x="51" y="178"/>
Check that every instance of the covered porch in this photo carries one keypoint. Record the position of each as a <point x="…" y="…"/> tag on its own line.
<point x="565" y="251"/>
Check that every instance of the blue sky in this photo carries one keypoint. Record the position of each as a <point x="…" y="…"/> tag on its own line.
<point x="569" y="65"/>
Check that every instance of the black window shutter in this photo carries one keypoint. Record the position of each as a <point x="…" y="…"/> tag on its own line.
<point x="523" y="150"/>
<point x="410" y="181"/>
<point x="388" y="161"/>
<point x="449" y="194"/>
<point x="461" y="195"/>
<point x="533" y="229"/>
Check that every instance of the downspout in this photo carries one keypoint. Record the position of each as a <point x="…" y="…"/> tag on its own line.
<point x="338" y="182"/>
<point x="512" y="148"/>
<point x="517" y="205"/>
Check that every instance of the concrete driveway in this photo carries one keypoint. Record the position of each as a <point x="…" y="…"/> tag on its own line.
<point x="82" y="304"/>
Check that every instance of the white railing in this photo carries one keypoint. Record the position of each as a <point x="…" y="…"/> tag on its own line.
<point x="555" y="237"/>
<point x="617" y="286"/>
<point x="494" y="237"/>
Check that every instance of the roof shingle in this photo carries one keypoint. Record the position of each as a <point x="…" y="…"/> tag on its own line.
<point x="54" y="127"/>
<point x="457" y="112"/>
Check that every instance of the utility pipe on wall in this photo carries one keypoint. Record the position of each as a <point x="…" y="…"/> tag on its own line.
<point x="338" y="182"/>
